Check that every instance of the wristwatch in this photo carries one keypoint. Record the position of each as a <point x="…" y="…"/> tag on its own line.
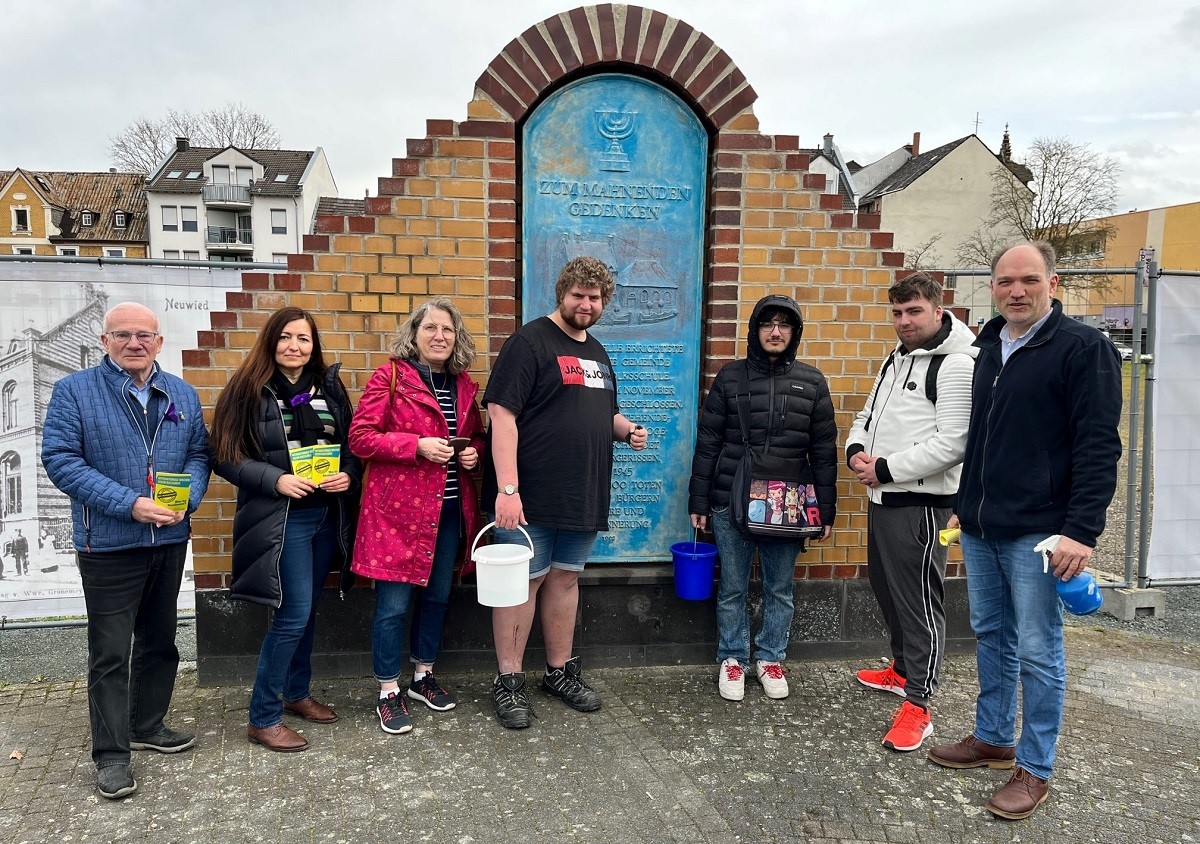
<point x="509" y="489"/>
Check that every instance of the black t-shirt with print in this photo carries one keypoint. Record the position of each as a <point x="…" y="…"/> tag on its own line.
<point x="564" y="395"/>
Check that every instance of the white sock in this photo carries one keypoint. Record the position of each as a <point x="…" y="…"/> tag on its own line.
<point x="418" y="676"/>
<point x="385" y="693"/>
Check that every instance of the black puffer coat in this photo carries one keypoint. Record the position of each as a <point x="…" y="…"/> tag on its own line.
<point x="789" y="401"/>
<point x="262" y="512"/>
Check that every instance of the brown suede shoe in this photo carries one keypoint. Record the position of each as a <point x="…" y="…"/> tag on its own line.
<point x="311" y="709"/>
<point x="279" y="738"/>
<point x="972" y="753"/>
<point x="1019" y="797"/>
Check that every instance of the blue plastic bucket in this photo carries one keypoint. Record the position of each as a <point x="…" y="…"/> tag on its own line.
<point x="695" y="569"/>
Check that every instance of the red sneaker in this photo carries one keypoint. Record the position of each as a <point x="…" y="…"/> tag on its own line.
<point x="910" y="727"/>
<point x="886" y="680"/>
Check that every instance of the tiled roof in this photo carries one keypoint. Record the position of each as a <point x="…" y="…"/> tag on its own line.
<point x="341" y="207"/>
<point x="102" y="194"/>
<point x="912" y="170"/>
<point x="275" y="162"/>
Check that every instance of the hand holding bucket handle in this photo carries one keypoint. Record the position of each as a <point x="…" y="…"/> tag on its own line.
<point x="484" y="530"/>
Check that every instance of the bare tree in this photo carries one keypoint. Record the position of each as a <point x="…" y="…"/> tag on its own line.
<point x="143" y="144"/>
<point x="923" y="256"/>
<point x="1072" y="186"/>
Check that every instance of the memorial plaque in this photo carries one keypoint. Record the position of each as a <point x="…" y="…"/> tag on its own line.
<point x="615" y="167"/>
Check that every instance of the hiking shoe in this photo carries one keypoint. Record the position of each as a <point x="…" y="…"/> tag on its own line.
<point x="165" y="740"/>
<point x="567" y="683"/>
<point x="731" y="681"/>
<point x="770" y="674"/>
<point x="910" y="727"/>
<point x="114" y="782"/>
<point x="512" y="707"/>
<point x="431" y="693"/>
<point x="393" y="714"/>
<point x="886" y="680"/>
<point x="972" y="753"/>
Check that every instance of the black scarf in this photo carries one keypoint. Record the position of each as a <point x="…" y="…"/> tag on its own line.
<point x="306" y="424"/>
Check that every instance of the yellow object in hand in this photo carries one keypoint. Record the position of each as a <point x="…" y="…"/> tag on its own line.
<point x="949" y="536"/>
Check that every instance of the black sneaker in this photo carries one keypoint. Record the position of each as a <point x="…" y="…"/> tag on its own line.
<point x="567" y="683"/>
<point x="114" y="782"/>
<point x="393" y="714"/>
<point x="431" y="693"/>
<point x="512" y="707"/>
<point x="165" y="740"/>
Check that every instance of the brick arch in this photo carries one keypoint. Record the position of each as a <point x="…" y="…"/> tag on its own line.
<point x="608" y="36"/>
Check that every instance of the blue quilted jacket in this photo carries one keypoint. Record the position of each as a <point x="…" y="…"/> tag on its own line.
<point x="99" y="447"/>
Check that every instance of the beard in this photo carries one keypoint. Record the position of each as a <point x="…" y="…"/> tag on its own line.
<point x="578" y="321"/>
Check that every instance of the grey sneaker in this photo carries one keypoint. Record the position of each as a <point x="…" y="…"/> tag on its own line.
<point x="512" y="707"/>
<point x="567" y="683"/>
<point x="165" y="740"/>
<point x="115" y="781"/>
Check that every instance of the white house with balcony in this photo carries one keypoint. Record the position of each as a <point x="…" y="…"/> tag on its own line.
<point x="210" y="204"/>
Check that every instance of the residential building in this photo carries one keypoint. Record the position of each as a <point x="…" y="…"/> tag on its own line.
<point x="64" y="213"/>
<point x="935" y="201"/>
<point x="1174" y="234"/>
<point x="230" y="204"/>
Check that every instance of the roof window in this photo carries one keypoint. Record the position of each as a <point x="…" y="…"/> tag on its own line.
<point x="281" y="177"/>
<point x="174" y="174"/>
<point x="193" y="174"/>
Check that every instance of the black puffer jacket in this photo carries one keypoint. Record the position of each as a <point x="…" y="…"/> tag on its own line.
<point x="262" y="512"/>
<point x="789" y="402"/>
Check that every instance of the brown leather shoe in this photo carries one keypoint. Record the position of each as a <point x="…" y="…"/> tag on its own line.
<point x="280" y="738"/>
<point x="1019" y="796"/>
<point x="972" y="753"/>
<point x="311" y="709"/>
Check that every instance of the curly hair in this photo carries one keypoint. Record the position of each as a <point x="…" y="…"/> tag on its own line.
<point x="587" y="273"/>
<point x="404" y="344"/>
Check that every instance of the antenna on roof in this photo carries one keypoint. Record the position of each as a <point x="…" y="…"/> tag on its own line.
<point x="977" y="122"/>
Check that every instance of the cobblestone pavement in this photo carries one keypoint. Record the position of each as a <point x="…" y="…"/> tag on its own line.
<point x="665" y="760"/>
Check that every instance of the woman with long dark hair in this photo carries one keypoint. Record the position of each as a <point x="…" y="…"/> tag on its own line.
<point x="288" y="530"/>
<point x="420" y="427"/>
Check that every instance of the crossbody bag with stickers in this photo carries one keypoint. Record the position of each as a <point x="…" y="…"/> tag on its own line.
<point x="771" y="496"/>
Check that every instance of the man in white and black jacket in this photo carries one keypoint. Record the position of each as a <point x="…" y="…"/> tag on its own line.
<point x="906" y="447"/>
<point x="790" y="415"/>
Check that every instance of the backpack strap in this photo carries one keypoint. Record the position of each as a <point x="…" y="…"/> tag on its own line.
<point x="931" y="376"/>
<point x="743" y="401"/>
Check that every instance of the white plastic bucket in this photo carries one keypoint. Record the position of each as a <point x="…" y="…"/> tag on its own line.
<point x="502" y="571"/>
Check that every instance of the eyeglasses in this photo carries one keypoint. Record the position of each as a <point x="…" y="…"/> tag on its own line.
<point x="124" y="337"/>
<point x="429" y="328"/>
<point x="771" y="324"/>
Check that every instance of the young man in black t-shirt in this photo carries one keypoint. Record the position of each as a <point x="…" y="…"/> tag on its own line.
<point x="552" y="405"/>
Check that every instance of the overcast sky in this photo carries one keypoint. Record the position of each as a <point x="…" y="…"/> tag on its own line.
<point x="358" y="78"/>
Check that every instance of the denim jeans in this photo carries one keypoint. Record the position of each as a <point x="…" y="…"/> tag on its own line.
<point x="1017" y="619"/>
<point x="777" y="559"/>
<point x="130" y="595"/>
<point x="285" y="659"/>
<point x="392" y="600"/>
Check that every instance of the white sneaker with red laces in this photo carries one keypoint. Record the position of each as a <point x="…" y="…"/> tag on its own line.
<point x="731" y="682"/>
<point x="770" y="674"/>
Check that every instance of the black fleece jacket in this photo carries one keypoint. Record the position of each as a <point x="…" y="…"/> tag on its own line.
<point x="1043" y="446"/>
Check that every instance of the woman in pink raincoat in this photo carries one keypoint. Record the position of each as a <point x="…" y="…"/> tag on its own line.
<point x="419" y="429"/>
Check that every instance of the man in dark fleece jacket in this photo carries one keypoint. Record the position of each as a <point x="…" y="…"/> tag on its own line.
<point x="1041" y="461"/>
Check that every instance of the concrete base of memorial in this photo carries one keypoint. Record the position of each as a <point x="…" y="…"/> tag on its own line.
<point x="627" y="616"/>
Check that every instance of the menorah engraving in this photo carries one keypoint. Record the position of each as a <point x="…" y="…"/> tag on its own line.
<point x="615" y="126"/>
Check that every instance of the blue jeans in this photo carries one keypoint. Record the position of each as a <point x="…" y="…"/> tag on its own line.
<point x="429" y="614"/>
<point x="1017" y="619"/>
<point x="285" y="659"/>
<point x="777" y="559"/>
<point x="558" y="548"/>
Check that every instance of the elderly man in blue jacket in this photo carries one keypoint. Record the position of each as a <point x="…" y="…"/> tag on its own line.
<point x="1041" y="461"/>
<point x="110" y="432"/>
